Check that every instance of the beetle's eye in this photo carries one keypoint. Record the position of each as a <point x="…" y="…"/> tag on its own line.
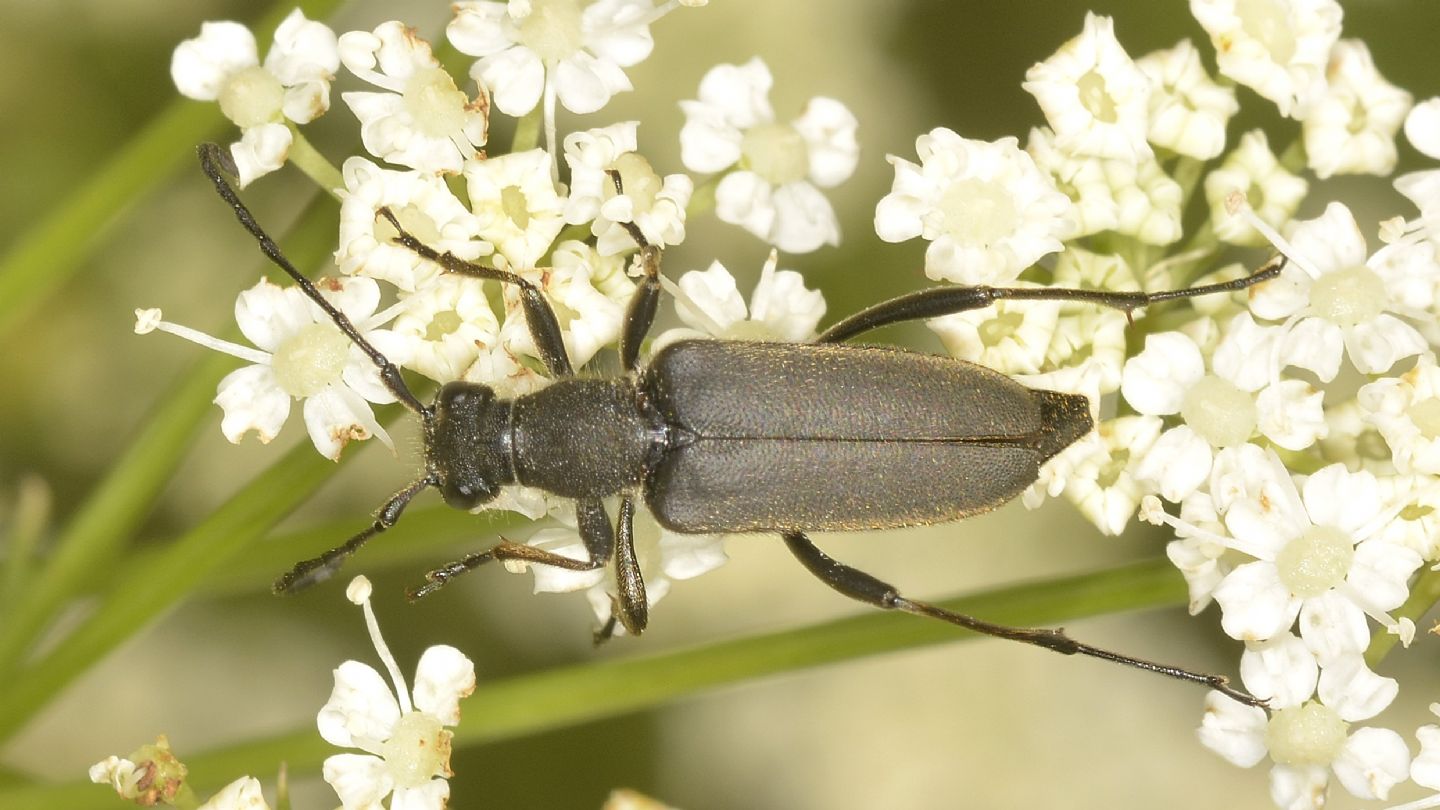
<point x="467" y="494"/>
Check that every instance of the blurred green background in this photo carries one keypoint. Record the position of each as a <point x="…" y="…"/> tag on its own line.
<point x="968" y="725"/>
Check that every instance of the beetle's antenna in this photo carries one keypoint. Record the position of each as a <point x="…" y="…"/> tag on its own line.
<point x="216" y="163"/>
<point x="939" y="301"/>
<point x="321" y="568"/>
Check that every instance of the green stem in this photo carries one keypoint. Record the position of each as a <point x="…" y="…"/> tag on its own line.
<point x="1423" y="596"/>
<point x="567" y="696"/>
<point x="527" y="131"/>
<point x="95" y="534"/>
<point x="702" y="199"/>
<point x="308" y="160"/>
<point x="140" y="595"/>
<point x="56" y="247"/>
<point x="30" y="521"/>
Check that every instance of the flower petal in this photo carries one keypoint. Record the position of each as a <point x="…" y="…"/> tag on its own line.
<point x="360" y="781"/>
<point x="252" y="400"/>
<point x="361" y="712"/>
<point x="1373" y="761"/>
<point x="443" y="676"/>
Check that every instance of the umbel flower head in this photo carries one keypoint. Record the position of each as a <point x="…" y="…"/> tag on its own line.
<point x="292" y="85"/>
<point x="402" y="733"/>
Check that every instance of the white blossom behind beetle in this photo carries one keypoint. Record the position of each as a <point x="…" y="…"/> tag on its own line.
<point x="1351" y="128"/>
<point x="423" y="121"/>
<point x="985" y="208"/>
<point x="1252" y="171"/>
<point x="589" y="293"/>
<point x="426" y="209"/>
<point x="1188" y="110"/>
<point x="654" y="204"/>
<point x="773" y="171"/>
<point x="1094" y="96"/>
<point x="223" y="65"/>
<point x="708" y="301"/>
<point x="1279" y="49"/>
<point x="519" y="210"/>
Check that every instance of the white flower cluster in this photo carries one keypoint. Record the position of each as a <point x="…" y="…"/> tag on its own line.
<point x="428" y="164"/>
<point x="1285" y="515"/>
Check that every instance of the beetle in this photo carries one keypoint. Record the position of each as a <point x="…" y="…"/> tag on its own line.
<point x="738" y="437"/>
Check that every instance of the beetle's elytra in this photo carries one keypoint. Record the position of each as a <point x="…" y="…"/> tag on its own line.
<point x="728" y="437"/>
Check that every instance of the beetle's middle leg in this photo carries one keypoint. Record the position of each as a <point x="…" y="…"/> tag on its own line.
<point x="857" y="584"/>
<point x="592" y="522"/>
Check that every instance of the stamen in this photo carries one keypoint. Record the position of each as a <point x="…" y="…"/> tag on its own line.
<point x="760" y="307"/>
<point x="1238" y="206"/>
<point x="148" y="320"/>
<point x="358" y="592"/>
<point x="680" y="296"/>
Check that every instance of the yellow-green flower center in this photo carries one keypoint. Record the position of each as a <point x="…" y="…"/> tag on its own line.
<point x="776" y="152"/>
<point x="417" y="751"/>
<point x="978" y="212"/>
<point x="1348" y="297"/>
<point x="433" y="101"/>
<point x="1095" y="97"/>
<point x="1219" y="412"/>
<point x="442" y="325"/>
<point x="311" y="359"/>
<point x="1312" y="734"/>
<point x="1316" y="561"/>
<point x="252" y="97"/>
<point x="515" y="206"/>
<point x="552" y="29"/>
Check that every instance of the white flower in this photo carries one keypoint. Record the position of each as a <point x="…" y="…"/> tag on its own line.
<point x="423" y="121"/>
<point x="1097" y="470"/>
<point x="1168" y="378"/>
<point x="1422" y="127"/>
<point x="516" y="203"/>
<point x="242" y="794"/>
<point x="774" y="171"/>
<point x="1351" y="128"/>
<point x="1425" y="770"/>
<point x="781" y="308"/>
<point x="425" y="208"/>
<point x="1406" y="411"/>
<point x="1306" y="742"/>
<point x="572" y="50"/>
<point x="222" y="64"/>
<point x="1083" y="179"/>
<point x="444" y="326"/>
<point x="1278" y="48"/>
<point x="1315" y="560"/>
<point x="1252" y="171"/>
<point x="655" y="205"/>
<point x="1009" y="336"/>
<point x="1093" y="95"/>
<point x="1417" y="519"/>
<point x="407" y="748"/>
<point x="1336" y="301"/>
<point x="588" y="292"/>
<point x="302" y="355"/>
<point x="985" y="207"/>
<point x="1147" y="200"/>
<point x="663" y="556"/>
<point x="1188" y="110"/>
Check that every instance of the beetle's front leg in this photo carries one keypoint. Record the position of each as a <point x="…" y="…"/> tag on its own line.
<point x="857" y="584"/>
<point x="595" y="531"/>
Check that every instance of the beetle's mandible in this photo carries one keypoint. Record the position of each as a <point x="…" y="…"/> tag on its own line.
<point x="733" y="437"/>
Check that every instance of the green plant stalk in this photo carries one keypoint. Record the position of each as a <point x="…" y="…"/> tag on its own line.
<point x="57" y="246"/>
<point x="316" y="166"/>
<point x="141" y="594"/>
<point x="1424" y="594"/>
<point x="96" y="533"/>
<point x="567" y="696"/>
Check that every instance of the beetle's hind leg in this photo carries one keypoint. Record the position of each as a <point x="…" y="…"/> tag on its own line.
<point x="857" y="584"/>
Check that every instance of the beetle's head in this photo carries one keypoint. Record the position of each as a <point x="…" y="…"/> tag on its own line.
<point x="467" y="444"/>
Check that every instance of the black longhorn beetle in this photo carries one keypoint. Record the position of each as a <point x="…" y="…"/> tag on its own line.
<point x="738" y="437"/>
